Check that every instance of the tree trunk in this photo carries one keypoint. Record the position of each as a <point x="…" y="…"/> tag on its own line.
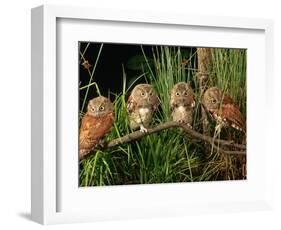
<point x="204" y="57"/>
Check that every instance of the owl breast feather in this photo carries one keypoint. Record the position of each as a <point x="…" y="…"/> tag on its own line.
<point x="144" y="116"/>
<point x="181" y="114"/>
<point x="141" y="116"/>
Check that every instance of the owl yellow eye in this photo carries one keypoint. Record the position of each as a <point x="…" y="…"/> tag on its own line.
<point x="101" y="108"/>
<point x="177" y="93"/>
<point x="93" y="109"/>
<point x="142" y="94"/>
<point x="185" y="94"/>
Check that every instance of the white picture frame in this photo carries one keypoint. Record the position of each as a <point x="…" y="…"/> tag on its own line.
<point x="56" y="197"/>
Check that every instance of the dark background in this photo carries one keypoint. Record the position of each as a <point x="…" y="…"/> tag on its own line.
<point x="109" y="73"/>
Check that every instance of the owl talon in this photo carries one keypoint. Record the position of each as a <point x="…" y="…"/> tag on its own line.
<point x="143" y="130"/>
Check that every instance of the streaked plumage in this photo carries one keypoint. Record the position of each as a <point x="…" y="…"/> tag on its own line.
<point x="222" y="108"/>
<point x="182" y="103"/>
<point x="141" y="105"/>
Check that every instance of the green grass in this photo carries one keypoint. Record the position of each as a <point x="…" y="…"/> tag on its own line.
<point x="168" y="156"/>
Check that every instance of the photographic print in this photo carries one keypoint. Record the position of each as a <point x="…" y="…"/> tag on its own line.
<point x="161" y="114"/>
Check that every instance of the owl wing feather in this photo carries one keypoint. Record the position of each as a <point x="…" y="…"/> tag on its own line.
<point x="92" y="130"/>
<point x="131" y="105"/>
<point x="233" y="116"/>
<point x="173" y="103"/>
<point x="155" y="104"/>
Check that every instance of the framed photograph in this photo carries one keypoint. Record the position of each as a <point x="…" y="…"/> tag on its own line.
<point x="145" y="114"/>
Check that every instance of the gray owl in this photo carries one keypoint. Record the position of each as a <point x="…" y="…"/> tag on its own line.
<point x="141" y="105"/>
<point x="182" y="103"/>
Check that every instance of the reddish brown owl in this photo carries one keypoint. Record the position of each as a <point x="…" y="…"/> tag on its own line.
<point x="222" y="108"/>
<point x="95" y="124"/>
<point x="141" y="106"/>
<point x="182" y="103"/>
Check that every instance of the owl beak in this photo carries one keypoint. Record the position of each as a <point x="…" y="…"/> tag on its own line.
<point x="148" y="100"/>
<point x="189" y="103"/>
<point x="182" y="100"/>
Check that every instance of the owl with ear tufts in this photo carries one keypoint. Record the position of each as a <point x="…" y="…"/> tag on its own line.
<point x="95" y="124"/>
<point x="141" y="105"/>
<point x="223" y="110"/>
<point x="182" y="103"/>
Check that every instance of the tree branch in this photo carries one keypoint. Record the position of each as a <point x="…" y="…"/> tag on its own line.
<point x="134" y="136"/>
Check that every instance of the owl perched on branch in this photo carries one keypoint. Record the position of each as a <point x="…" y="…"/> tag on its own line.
<point x="141" y="105"/>
<point x="95" y="124"/>
<point x="222" y="109"/>
<point x="182" y="103"/>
